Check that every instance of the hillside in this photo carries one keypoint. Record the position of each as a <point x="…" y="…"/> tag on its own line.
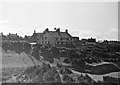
<point x="77" y="64"/>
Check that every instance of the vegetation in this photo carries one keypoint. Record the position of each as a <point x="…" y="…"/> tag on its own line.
<point x="78" y="58"/>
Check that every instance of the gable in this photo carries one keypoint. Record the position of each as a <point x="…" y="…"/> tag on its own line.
<point x="46" y="34"/>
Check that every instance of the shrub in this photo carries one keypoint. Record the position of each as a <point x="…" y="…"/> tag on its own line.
<point x="51" y="76"/>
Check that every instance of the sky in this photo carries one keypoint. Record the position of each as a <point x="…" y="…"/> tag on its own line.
<point x="82" y="19"/>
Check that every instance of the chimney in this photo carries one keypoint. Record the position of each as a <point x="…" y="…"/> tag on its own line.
<point x="55" y="28"/>
<point x="2" y="33"/>
<point x="66" y="31"/>
<point x="34" y="31"/>
<point x="46" y="30"/>
<point x="58" y="30"/>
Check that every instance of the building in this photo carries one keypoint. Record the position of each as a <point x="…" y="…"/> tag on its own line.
<point x="3" y="37"/>
<point x="54" y="37"/>
<point x="36" y="37"/>
<point x="27" y="38"/>
<point x="82" y="41"/>
<point x="76" y="40"/>
<point x="13" y="37"/>
<point x="91" y="41"/>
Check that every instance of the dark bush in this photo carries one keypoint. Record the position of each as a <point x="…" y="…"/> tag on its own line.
<point x="35" y="53"/>
<point x="26" y="48"/>
<point x="55" y="52"/>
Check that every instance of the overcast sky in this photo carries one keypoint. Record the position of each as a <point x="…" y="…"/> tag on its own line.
<point x="82" y="19"/>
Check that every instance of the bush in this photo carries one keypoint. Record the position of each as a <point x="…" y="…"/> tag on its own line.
<point x="51" y="76"/>
<point x="26" y="48"/>
<point x="47" y="55"/>
<point x="55" y="52"/>
<point x="35" y="53"/>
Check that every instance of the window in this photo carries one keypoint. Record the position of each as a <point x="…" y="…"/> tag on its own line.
<point x="61" y="39"/>
<point x="61" y="42"/>
<point x="56" y="38"/>
<point x="67" y="38"/>
<point x="45" y="38"/>
<point x="45" y="42"/>
<point x="58" y="42"/>
<point x="48" y="42"/>
<point x="37" y="38"/>
<point x="42" y="38"/>
<point x="66" y="42"/>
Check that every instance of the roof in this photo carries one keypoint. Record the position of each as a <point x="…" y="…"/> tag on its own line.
<point x="91" y="40"/>
<point x="28" y="36"/>
<point x="13" y="35"/>
<point x="64" y="34"/>
<point x="39" y="34"/>
<point x="60" y="34"/>
<point x="54" y="34"/>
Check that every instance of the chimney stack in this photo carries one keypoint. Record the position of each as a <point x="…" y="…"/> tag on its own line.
<point x="34" y="31"/>
<point x="58" y="30"/>
<point x="2" y="33"/>
<point x="55" y="28"/>
<point x="46" y="30"/>
<point x="66" y="31"/>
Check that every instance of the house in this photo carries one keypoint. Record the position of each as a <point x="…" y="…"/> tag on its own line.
<point x="36" y="37"/>
<point x="82" y="41"/>
<point x="3" y="36"/>
<point x="27" y="38"/>
<point x="76" y="40"/>
<point x="12" y="37"/>
<point x="91" y="41"/>
<point x="55" y="37"/>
